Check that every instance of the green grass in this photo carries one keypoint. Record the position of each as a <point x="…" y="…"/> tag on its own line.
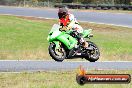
<point x="55" y="80"/>
<point x="21" y="36"/>
<point x="26" y="38"/>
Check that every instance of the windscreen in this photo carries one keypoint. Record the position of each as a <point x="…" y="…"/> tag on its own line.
<point x="55" y="27"/>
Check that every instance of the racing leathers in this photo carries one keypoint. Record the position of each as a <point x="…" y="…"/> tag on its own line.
<point x="70" y="22"/>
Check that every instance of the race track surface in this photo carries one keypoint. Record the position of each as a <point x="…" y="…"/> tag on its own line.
<point x="119" y="19"/>
<point x="35" y="65"/>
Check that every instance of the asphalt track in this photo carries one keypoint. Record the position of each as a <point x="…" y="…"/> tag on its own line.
<point x="37" y="65"/>
<point x="119" y="19"/>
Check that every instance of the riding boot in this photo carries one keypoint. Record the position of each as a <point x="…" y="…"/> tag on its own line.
<point x="72" y="52"/>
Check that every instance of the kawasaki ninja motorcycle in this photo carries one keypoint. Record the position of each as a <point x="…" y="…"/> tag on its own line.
<point x="65" y="45"/>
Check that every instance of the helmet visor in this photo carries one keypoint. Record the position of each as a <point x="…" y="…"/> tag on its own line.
<point x="61" y="15"/>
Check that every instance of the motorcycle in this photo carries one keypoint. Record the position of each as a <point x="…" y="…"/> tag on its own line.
<point x="65" y="45"/>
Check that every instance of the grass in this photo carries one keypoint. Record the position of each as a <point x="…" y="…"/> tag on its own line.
<point x="55" y="80"/>
<point x="22" y="38"/>
<point x="26" y="38"/>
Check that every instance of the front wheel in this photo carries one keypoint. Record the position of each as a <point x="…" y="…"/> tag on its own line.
<point x="57" y="54"/>
<point x="94" y="53"/>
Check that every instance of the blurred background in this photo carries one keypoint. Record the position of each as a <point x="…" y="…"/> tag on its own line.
<point x="73" y="4"/>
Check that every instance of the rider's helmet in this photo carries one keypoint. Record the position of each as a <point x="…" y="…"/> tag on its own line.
<point x="62" y="12"/>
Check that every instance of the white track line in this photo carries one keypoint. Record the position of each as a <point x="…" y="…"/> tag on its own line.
<point x="79" y="20"/>
<point x="64" y="61"/>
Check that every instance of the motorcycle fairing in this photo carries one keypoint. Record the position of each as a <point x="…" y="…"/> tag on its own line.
<point x="67" y="40"/>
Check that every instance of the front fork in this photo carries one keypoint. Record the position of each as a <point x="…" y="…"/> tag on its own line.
<point x="58" y="47"/>
<point x="57" y="43"/>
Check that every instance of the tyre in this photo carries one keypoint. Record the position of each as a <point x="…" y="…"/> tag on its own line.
<point x="94" y="53"/>
<point x="113" y="8"/>
<point x="98" y="8"/>
<point x="57" y="54"/>
<point x="81" y="80"/>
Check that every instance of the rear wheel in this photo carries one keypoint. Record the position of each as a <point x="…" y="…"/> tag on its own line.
<point x="57" y="54"/>
<point x="94" y="53"/>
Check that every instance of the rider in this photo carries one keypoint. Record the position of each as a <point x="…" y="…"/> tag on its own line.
<point x="68" y="21"/>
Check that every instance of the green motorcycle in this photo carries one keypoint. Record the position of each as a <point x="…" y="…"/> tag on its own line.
<point x="65" y="45"/>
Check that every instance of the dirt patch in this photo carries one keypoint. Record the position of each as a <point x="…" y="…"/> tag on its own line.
<point x="24" y="55"/>
<point x="35" y="18"/>
<point x="101" y="27"/>
<point x="49" y="21"/>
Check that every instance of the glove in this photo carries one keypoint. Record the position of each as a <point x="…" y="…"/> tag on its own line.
<point x="62" y="29"/>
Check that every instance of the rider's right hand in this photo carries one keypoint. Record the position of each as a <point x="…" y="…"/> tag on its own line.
<point x="62" y="29"/>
